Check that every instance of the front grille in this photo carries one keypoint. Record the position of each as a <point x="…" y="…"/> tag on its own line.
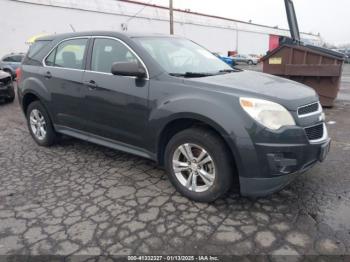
<point x="315" y="132"/>
<point x="304" y="110"/>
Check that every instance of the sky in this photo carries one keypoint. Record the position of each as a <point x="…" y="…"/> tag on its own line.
<point x="330" y="18"/>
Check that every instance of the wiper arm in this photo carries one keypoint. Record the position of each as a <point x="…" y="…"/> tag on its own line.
<point x="230" y="70"/>
<point x="191" y="74"/>
<point x="203" y="74"/>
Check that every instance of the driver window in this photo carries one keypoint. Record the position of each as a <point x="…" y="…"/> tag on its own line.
<point x="108" y="51"/>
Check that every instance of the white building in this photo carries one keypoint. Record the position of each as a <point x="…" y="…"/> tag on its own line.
<point x="21" y="19"/>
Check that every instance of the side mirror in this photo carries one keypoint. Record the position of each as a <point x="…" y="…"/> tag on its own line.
<point x="128" y="69"/>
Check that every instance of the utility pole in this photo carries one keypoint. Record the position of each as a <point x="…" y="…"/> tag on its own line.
<point x="171" y="13"/>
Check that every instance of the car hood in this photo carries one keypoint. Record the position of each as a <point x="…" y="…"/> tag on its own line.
<point x="259" y="85"/>
<point x="4" y="74"/>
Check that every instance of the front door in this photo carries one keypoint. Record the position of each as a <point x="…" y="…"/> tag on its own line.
<point x="116" y="106"/>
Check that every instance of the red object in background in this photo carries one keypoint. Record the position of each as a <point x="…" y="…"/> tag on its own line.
<point x="274" y="42"/>
<point x="19" y="74"/>
<point x="232" y="53"/>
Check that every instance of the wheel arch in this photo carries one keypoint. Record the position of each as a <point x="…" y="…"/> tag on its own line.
<point x="33" y="89"/>
<point x="31" y="96"/>
<point x="27" y="99"/>
<point x="184" y="121"/>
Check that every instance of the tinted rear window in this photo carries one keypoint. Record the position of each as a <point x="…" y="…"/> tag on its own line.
<point x="35" y="48"/>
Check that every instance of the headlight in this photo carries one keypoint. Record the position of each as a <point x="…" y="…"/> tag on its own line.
<point x="267" y="113"/>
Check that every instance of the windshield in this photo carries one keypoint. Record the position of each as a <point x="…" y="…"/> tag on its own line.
<point x="180" y="56"/>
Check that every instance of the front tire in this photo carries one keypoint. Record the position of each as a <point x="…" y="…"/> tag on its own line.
<point x="198" y="164"/>
<point x="40" y="125"/>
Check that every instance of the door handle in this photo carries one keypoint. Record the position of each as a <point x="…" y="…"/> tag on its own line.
<point x="91" y="84"/>
<point x="48" y="75"/>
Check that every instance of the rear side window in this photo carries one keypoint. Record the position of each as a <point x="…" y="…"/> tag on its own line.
<point x="108" y="51"/>
<point x="68" y="54"/>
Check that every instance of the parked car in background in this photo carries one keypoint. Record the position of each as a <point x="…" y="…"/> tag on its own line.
<point x="228" y="60"/>
<point x="7" y="91"/>
<point x="245" y="59"/>
<point x="170" y="100"/>
<point x="9" y="63"/>
<point x="259" y="57"/>
<point x="345" y="52"/>
<point x="347" y="57"/>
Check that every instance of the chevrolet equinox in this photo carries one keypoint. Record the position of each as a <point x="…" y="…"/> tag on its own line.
<point x="172" y="101"/>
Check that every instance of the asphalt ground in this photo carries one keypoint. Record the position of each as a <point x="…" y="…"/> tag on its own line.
<point x="77" y="198"/>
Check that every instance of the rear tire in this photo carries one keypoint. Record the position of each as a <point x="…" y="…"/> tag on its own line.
<point x="40" y="125"/>
<point x="193" y="179"/>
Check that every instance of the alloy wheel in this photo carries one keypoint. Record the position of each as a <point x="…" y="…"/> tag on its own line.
<point x="38" y="124"/>
<point x="194" y="167"/>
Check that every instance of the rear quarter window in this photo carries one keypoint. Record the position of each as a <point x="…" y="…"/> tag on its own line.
<point x="36" y="47"/>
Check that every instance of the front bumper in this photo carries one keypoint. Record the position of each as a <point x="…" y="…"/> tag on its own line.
<point x="6" y="91"/>
<point x="307" y="158"/>
<point x="278" y="164"/>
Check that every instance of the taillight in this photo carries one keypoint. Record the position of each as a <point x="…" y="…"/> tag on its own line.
<point x="19" y="74"/>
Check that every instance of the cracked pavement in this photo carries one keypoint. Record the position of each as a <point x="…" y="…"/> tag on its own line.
<point x="77" y="198"/>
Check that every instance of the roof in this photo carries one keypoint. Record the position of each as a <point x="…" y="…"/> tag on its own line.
<point x="101" y="33"/>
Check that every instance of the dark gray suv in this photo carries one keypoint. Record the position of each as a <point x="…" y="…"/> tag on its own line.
<point x="170" y="100"/>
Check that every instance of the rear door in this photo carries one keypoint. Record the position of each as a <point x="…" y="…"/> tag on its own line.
<point x="63" y="74"/>
<point x="116" y="106"/>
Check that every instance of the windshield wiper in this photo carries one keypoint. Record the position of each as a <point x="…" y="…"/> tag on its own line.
<point x="203" y="74"/>
<point x="191" y="74"/>
<point x="230" y="70"/>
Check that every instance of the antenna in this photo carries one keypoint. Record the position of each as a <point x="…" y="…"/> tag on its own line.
<point x="73" y="29"/>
